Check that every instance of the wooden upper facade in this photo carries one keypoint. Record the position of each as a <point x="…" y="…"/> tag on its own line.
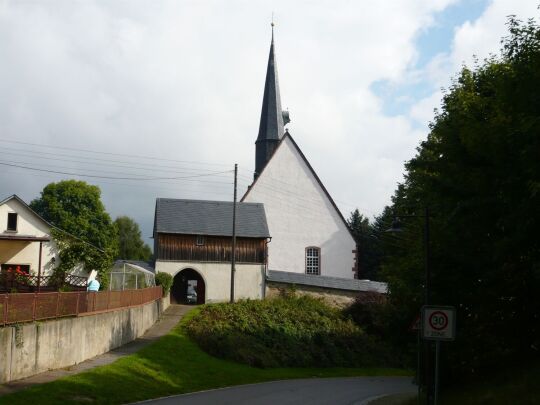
<point x="206" y="248"/>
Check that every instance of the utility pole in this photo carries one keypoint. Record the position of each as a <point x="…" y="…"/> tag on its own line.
<point x="427" y="301"/>
<point x="233" y="253"/>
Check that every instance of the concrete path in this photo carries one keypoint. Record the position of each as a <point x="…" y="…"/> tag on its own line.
<point x="168" y="320"/>
<point x="313" y="391"/>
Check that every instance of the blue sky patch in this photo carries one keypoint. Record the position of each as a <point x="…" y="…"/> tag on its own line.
<point x="398" y="98"/>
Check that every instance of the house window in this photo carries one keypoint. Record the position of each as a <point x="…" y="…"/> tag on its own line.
<point x="12" y="221"/>
<point x="313" y="260"/>
<point x="200" y="240"/>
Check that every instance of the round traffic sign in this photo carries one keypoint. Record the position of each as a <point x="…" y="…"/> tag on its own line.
<point x="438" y="320"/>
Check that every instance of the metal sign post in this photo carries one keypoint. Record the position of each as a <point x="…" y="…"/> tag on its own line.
<point x="439" y="324"/>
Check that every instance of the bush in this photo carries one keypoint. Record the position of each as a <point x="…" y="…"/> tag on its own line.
<point x="366" y="311"/>
<point x="165" y="280"/>
<point x="284" y="332"/>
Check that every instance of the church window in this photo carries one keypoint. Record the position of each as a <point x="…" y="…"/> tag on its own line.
<point x="313" y="260"/>
<point x="200" y="240"/>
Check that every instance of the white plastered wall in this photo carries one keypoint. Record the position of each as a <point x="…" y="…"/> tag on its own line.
<point x="300" y="215"/>
<point x="21" y="252"/>
<point x="249" y="278"/>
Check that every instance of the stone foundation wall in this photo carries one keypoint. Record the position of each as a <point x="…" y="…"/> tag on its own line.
<point x="333" y="297"/>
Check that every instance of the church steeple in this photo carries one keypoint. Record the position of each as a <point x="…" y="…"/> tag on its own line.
<point x="271" y="128"/>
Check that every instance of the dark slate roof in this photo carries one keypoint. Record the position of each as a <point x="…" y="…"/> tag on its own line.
<point x="271" y="126"/>
<point x="202" y="217"/>
<point x="336" y="283"/>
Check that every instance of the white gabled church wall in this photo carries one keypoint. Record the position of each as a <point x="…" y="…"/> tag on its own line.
<point x="300" y="215"/>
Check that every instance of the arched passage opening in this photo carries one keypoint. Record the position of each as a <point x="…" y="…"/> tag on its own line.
<point x="188" y="288"/>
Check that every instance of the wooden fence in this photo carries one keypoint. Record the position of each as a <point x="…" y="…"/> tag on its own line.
<point x="28" y="307"/>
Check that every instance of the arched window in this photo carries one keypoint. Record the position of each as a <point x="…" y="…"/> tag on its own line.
<point x="313" y="260"/>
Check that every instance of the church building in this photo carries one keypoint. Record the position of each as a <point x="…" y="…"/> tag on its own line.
<point x="309" y="234"/>
<point x="289" y="229"/>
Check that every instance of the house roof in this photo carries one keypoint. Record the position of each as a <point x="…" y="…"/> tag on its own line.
<point x="25" y="238"/>
<point x="204" y="217"/>
<point x="337" y="283"/>
<point x="145" y="267"/>
<point x="289" y="136"/>
<point x="19" y="199"/>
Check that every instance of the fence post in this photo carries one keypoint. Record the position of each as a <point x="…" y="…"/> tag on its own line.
<point x="57" y="303"/>
<point x="108" y="299"/>
<point x="78" y="300"/>
<point x="6" y="311"/>
<point x="34" y="304"/>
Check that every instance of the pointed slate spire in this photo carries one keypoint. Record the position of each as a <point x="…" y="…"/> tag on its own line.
<point x="271" y="126"/>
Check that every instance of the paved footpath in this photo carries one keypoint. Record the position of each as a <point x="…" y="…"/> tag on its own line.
<point x="168" y="320"/>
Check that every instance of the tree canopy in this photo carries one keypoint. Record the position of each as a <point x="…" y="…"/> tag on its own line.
<point x="75" y="207"/>
<point x="131" y="245"/>
<point x="368" y="248"/>
<point x="479" y="172"/>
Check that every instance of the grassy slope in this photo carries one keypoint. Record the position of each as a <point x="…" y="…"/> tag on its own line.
<point x="516" y="386"/>
<point x="173" y="365"/>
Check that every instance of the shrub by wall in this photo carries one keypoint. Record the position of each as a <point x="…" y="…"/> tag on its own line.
<point x="165" y="280"/>
<point x="283" y="332"/>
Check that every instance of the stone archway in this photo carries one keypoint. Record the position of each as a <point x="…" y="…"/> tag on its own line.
<point x="188" y="278"/>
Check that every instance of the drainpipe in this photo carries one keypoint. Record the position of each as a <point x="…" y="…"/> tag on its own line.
<point x="39" y="267"/>
<point x="265" y="266"/>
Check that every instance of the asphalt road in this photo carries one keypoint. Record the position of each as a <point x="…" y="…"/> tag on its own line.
<point x="314" y="391"/>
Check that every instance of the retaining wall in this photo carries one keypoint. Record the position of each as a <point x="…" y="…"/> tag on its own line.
<point x="32" y="348"/>
<point x="333" y="297"/>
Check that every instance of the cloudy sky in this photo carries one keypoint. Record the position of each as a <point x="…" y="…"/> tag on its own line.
<point x="161" y="98"/>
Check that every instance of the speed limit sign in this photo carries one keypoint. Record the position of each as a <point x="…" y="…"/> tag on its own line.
<point x="438" y="323"/>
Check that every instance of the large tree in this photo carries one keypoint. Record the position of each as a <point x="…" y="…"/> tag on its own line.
<point x="131" y="245"/>
<point x="367" y="245"/>
<point x="479" y="172"/>
<point x="76" y="207"/>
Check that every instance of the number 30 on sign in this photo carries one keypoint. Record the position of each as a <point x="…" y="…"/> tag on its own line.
<point x="438" y="323"/>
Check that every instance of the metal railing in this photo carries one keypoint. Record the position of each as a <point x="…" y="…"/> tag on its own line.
<point x="28" y="307"/>
<point x="30" y="283"/>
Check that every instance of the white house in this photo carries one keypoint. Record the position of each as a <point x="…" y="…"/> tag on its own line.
<point x="309" y="234"/>
<point x="25" y="239"/>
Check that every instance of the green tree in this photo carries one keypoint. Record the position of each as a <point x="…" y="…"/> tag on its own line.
<point x="367" y="245"/>
<point x="131" y="245"/>
<point x="86" y="236"/>
<point x="479" y="171"/>
<point x="76" y="207"/>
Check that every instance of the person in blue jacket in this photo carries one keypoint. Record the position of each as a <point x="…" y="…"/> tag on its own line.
<point x="93" y="285"/>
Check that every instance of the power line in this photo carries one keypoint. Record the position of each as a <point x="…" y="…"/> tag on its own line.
<point x="107" y="162"/>
<point x="112" y="177"/>
<point x="156" y="185"/>
<point x="95" y="170"/>
<point x="111" y="153"/>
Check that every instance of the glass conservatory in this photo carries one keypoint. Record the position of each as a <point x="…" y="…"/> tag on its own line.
<point x="130" y="275"/>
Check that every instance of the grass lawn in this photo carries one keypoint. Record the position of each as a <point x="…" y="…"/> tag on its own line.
<point x="172" y="365"/>
<point x="516" y="386"/>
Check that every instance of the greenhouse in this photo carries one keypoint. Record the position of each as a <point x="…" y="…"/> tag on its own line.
<point x="126" y="275"/>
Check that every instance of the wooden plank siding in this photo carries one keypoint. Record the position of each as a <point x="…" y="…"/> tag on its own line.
<point x="215" y="249"/>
